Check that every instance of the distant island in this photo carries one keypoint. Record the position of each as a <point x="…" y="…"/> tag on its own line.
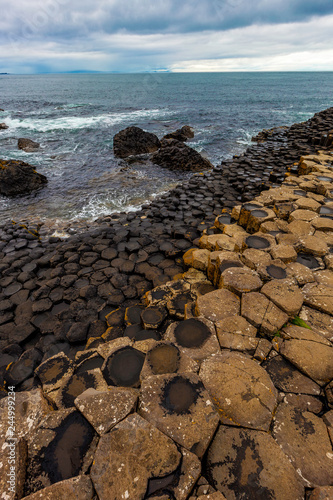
<point x="4" y="73"/>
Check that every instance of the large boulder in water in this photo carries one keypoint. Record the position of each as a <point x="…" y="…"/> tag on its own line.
<point x="134" y="141"/>
<point x="181" y="134"/>
<point x="3" y="126"/>
<point x="176" y="155"/>
<point x="18" y="177"/>
<point x="28" y="145"/>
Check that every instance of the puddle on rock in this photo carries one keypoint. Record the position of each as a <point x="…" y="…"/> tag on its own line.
<point x="227" y="264"/>
<point x="192" y="333"/>
<point x="79" y="383"/>
<point x="308" y="260"/>
<point x="123" y="367"/>
<point x="90" y="364"/>
<point x="257" y="242"/>
<point x="164" y="358"/>
<point x="54" y="370"/>
<point x="147" y="334"/>
<point x="179" y="394"/>
<point x="259" y="213"/>
<point x="276" y="272"/>
<point x="63" y="457"/>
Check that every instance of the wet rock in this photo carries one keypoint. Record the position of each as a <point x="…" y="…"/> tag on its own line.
<point x="181" y="134"/>
<point x="152" y="317"/>
<point x="195" y="337"/>
<point x="59" y="449"/>
<point x="105" y="409"/>
<point x="28" y="145"/>
<point x="303" y="348"/>
<point x="217" y="305"/>
<point x="134" y="141"/>
<point x="128" y="456"/>
<point x="286" y="378"/>
<point x="286" y="296"/>
<point x="123" y="367"/>
<point x="76" y="384"/>
<point x="18" y="178"/>
<point x="176" y="155"/>
<point x="249" y="464"/>
<point x="165" y="357"/>
<point x="181" y="408"/>
<point x="303" y="437"/>
<point x="52" y="371"/>
<point x="76" y="488"/>
<point x="3" y="126"/>
<point x="319" y="297"/>
<point x="241" y="390"/>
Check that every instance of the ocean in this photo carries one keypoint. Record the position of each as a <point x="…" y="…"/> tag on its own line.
<point x="75" y="116"/>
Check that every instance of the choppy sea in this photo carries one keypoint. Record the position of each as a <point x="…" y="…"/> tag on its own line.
<point x="75" y="116"/>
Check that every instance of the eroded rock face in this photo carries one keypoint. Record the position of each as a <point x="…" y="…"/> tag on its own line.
<point x="176" y="155"/>
<point x="303" y="437"/>
<point x="249" y="464"/>
<point x="241" y="390"/>
<point x="128" y="456"/>
<point x="180" y="407"/>
<point x="19" y="178"/>
<point x="134" y="141"/>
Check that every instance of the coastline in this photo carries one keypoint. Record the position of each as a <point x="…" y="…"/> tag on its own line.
<point x="56" y="294"/>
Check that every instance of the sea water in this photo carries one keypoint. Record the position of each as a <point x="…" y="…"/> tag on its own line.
<point x="75" y="116"/>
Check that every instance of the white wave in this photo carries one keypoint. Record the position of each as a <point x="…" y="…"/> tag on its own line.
<point x="80" y="122"/>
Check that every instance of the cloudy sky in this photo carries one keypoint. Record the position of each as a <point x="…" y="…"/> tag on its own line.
<point x="38" y="36"/>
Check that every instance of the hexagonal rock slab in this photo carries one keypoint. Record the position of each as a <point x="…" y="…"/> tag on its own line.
<point x="30" y="408"/>
<point x="76" y="488"/>
<point x="249" y="464"/>
<point x="322" y="323"/>
<point x="240" y="280"/>
<point x="123" y="367"/>
<point x="195" y="337"/>
<point x="217" y="305"/>
<point x="241" y="390"/>
<point x="105" y="409"/>
<point x="319" y="297"/>
<point x="310" y="352"/>
<point x="75" y="385"/>
<point x="287" y="379"/>
<point x="165" y="357"/>
<point x="59" y="449"/>
<point x="128" y="456"/>
<point x="180" y="407"/>
<point x="312" y="245"/>
<point x="262" y="313"/>
<point x="236" y="333"/>
<point x="286" y="296"/>
<point x="303" y="437"/>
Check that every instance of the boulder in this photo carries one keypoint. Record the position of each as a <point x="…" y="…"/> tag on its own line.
<point x="3" y="126"/>
<point x="27" y="145"/>
<point x="134" y="141"/>
<point x="175" y="155"/>
<point x="181" y="134"/>
<point x="18" y="178"/>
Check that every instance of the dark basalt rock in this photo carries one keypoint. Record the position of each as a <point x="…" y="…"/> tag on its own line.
<point x="123" y="367"/>
<point x="152" y="317"/>
<point x="176" y="155"/>
<point x="134" y="141"/>
<point x="28" y="145"/>
<point x="147" y="334"/>
<point x="227" y="264"/>
<point x="18" y="178"/>
<point x="163" y="358"/>
<point x="181" y="134"/>
<point x="257" y="242"/>
<point x="3" y="126"/>
<point x="192" y="333"/>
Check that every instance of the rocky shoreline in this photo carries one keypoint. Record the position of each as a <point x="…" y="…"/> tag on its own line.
<point x="73" y="317"/>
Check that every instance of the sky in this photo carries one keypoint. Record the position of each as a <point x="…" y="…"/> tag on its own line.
<point x="43" y="36"/>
